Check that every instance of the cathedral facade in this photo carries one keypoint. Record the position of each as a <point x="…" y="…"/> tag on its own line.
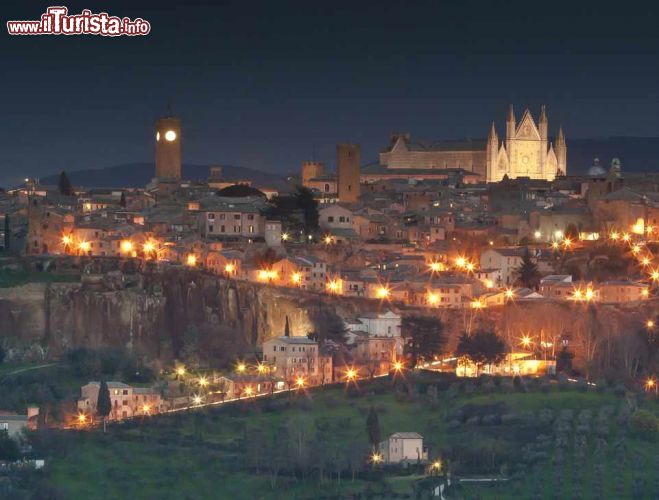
<point x="524" y="152"/>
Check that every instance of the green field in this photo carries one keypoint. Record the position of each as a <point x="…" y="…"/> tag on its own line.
<point x="555" y="443"/>
<point x="17" y="278"/>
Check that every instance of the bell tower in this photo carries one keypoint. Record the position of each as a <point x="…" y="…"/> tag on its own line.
<point x="168" y="147"/>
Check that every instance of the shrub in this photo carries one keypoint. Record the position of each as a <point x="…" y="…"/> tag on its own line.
<point x="644" y="424"/>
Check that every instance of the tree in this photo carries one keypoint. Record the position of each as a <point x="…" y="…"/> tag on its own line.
<point x="527" y="273"/>
<point x="373" y="428"/>
<point x="571" y="232"/>
<point x="564" y="360"/>
<point x="64" y="184"/>
<point x="122" y="201"/>
<point x="309" y="206"/>
<point x="424" y="337"/>
<point x="104" y="403"/>
<point x="482" y="348"/>
<point x="266" y="259"/>
<point x="9" y="449"/>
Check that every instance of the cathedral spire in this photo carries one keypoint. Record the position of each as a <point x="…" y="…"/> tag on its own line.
<point x="561" y="137"/>
<point x="542" y="124"/>
<point x="511" y="114"/>
<point x="493" y="133"/>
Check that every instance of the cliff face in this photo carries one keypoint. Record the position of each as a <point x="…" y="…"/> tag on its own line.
<point x="151" y="314"/>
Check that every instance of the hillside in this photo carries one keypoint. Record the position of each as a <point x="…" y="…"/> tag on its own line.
<point x="139" y="175"/>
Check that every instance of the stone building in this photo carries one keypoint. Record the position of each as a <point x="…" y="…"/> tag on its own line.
<point x="348" y="159"/>
<point x="525" y="152"/>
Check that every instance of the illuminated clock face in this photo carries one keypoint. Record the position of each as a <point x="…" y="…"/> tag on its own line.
<point x="157" y="136"/>
<point x="170" y="135"/>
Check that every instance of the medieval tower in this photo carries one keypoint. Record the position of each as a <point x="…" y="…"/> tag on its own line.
<point x="168" y="148"/>
<point x="348" y="158"/>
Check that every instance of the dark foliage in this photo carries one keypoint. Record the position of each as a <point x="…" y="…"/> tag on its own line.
<point x="482" y="348"/>
<point x="64" y="184"/>
<point x="104" y="404"/>
<point x="373" y="428"/>
<point x="527" y="273"/>
<point x="424" y="337"/>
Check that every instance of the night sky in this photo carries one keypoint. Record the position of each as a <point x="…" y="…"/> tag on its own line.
<point x="265" y="84"/>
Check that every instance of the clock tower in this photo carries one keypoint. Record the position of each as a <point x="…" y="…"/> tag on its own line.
<point x="168" y="147"/>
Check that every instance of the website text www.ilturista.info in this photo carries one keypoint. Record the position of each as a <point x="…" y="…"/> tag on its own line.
<point x="57" y="21"/>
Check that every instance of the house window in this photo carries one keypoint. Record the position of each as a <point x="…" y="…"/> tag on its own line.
<point x="250" y="217"/>
<point x="4" y="426"/>
<point x="236" y="216"/>
<point x="330" y="218"/>
<point x="222" y="229"/>
<point x="210" y="228"/>
<point x="211" y="216"/>
<point x="251" y="229"/>
<point x="222" y="216"/>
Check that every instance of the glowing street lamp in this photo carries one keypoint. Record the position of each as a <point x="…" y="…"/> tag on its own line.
<point x="469" y="266"/>
<point x="376" y="458"/>
<point x="433" y="298"/>
<point x="651" y="385"/>
<point x="203" y="382"/>
<point x="261" y="368"/>
<point x="510" y="293"/>
<point x="436" y="267"/>
<point x="81" y="419"/>
<point x="645" y="293"/>
<point x="383" y="292"/>
<point x="567" y="243"/>
<point x="126" y="246"/>
<point x="614" y="236"/>
<point x="197" y="399"/>
<point x="526" y="341"/>
<point x="328" y="240"/>
<point x="398" y="366"/>
<point x="577" y="294"/>
<point x="351" y="375"/>
<point x="229" y="268"/>
<point x="84" y="246"/>
<point x="146" y="409"/>
<point x="180" y="370"/>
<point x="334" y="286"/>
<point x="590" y="294"/>
<point x="537" y="235"/>
<point x="296" y="278"/>
<point x="191" y="260"/>
<point x="636" y="248"/>
<point x="460" y="262"/>
<point x="477" y="304"/>
<point x="67" y="239"/>
<point x="299" y="382"/>
<point x="626" y="237"/>
<point x="241" y="367"/>
<point x="249" y="391"/>
<point x="654" y="275"/>
<point x="284" y="236"/>
<point x="645" y="261"/>
<point x="649" y="323"/>
<point x="436" y="466"/>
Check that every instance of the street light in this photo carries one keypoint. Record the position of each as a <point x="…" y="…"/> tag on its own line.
<point x="180" y="370"/>
<point x="383" y="292"/>
<point x="376" y="458"/>
<point x="433" y="298"/>
<point x="351" y="375"/>
<point x="526" y="341"/>
<point x="241" y="367"/>
<point x="299" y="382"/>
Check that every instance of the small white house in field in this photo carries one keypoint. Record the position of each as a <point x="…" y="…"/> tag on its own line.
<point x="404" y="447"/>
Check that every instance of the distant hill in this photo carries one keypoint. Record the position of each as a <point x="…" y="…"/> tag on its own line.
<point x="637" y="154"/>
<point x="139" y="175"/>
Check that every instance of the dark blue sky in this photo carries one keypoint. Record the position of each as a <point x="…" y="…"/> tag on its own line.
<point x="260" y="83"/>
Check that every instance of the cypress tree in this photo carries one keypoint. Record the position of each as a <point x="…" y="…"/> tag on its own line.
<point x="373" y="428"/>
<point x="64" y="184"/>
<point x="104" y="404"/>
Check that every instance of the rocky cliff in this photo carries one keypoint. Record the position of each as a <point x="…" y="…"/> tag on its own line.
<point x="150" y="314"/>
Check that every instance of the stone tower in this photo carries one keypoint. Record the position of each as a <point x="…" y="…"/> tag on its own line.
<point x="168" y="148"/>
<point x="311" y="169"/>
<point x="348" y="158"/>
